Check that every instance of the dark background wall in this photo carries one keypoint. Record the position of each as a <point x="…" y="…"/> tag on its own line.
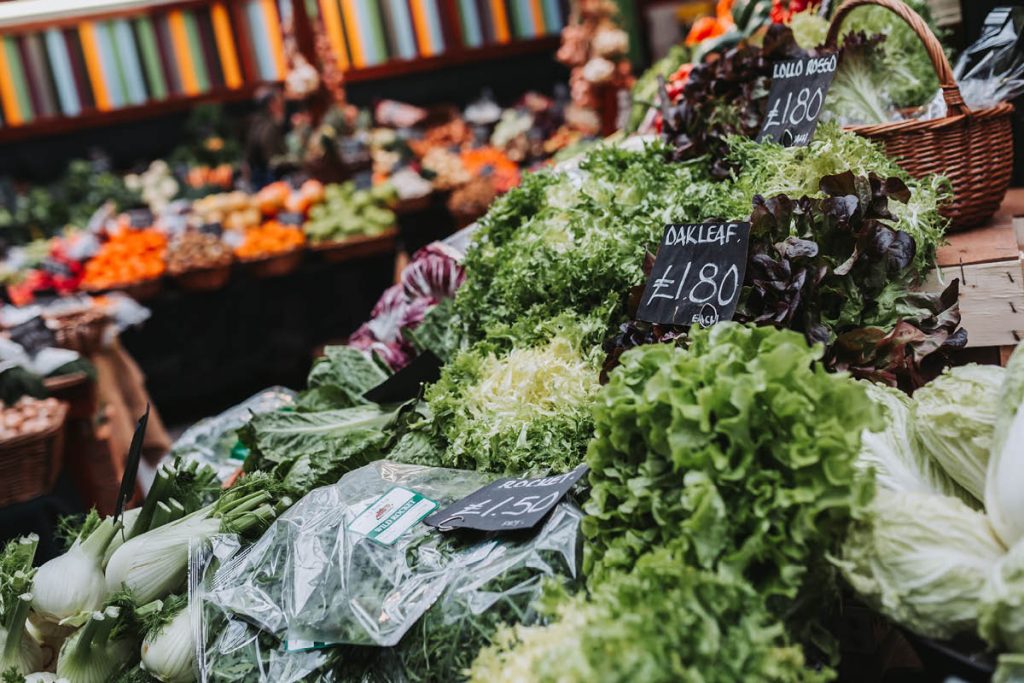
<point x="136" y="143"/>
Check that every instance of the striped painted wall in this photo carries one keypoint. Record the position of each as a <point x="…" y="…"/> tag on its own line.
<point x="103" y="65"/>
<point x="371" y="32"/>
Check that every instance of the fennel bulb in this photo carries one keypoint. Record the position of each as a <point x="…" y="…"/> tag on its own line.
<point x="1004" y="484"/>
<point x="923" y="560"/>
<point x="73" y="583"/>
<point x="168" y="652"/>
<point x="155" y="564"/>
<point x="20" y="651"/>
<point x="955" y="416"/>
<point x="95" y="653"/>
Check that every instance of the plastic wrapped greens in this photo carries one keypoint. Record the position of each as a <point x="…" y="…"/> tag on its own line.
<point x="313" y="579"/>
<point x="212" y="441"/>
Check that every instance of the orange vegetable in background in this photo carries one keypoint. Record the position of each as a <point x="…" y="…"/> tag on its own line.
<point x="271" y="198"/>
<point x="269" y="239"/>
<point x="504" y="172"/>
<point x="129" y="256"/>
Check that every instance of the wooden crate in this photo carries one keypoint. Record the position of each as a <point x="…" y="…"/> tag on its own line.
<point x="988" y="261"/>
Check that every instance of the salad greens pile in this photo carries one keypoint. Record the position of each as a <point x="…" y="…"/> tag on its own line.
<point x="738" y="450"/>
<point x="663" y="621"/>
<point x="526" y="411"/>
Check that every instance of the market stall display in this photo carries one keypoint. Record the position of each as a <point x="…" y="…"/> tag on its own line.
<point x="529" y="464"/>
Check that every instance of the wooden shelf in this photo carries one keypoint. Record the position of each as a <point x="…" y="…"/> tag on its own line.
<point x="454" y="57"/>
<point x="988" y="263"/>
<point x="993" y="241"/>
<point x="65" y="124"/>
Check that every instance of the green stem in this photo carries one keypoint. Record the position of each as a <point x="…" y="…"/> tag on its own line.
<point x="16" y="626"/>
<point x="28" y="548"/>
<point x="88" y="634"/>
<point x="177" y="510"/>
<point x="161" y="516"/>
<point x="96" y="544"/>
<point x="156" y="494"/>
<point x="103" y="632"/>
<point x="245" y="503"/>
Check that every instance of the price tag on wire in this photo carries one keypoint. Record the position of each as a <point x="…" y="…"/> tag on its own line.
<point x="796" y="98"/>
<point x="509" y="504"/>
<point x="697" y="274"/>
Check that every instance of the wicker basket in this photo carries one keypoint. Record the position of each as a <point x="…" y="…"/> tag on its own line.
<point x="974" y="149"/>
<point x="276" y="265"/>
<point x="80" y="331"/>
<point x="203" y="279"/>
<point x="339" y="251"/>
<point x="29" y="464"/>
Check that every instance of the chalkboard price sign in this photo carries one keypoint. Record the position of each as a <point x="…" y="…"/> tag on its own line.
<point x="33" y="335"/>
<point x="508" y="504"/>
<point x="697" y="274"/>
<point x="796" y="99"/>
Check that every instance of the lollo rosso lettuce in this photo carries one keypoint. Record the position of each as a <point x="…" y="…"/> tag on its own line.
<point x="835" y="268"/>
<point x="740" y="449"/>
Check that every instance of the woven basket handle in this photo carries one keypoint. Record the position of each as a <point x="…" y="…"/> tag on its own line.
<point x="950" y="92"/>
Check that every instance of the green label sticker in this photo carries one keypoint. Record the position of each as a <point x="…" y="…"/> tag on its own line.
<point x="391" y="515"/>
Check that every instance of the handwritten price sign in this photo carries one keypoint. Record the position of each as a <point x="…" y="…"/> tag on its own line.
<point x="697" y="274"/>
<point x="507" y="504"/>
<point x="796" y="99"/>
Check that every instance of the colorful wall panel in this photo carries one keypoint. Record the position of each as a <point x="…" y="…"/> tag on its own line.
<point x="367" y="33"/>
<point x="101" y="65"/>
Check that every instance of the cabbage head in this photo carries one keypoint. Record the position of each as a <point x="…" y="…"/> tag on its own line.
<point x="1004" y="487"/>
<point x="955" y="415"/>
<point x="923" y="560"/>
<point x="893" y="455"/>
<point x="1001" y="613"/>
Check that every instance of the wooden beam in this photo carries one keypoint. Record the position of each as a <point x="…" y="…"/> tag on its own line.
<point x="991" y="300"/>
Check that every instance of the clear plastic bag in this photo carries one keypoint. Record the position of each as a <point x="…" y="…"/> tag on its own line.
<point x="417" y="610"/>
<point x="991" y="70"/>
<point x="212" y="441"/>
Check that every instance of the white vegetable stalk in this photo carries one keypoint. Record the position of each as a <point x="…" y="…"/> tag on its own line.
<point x="45" y="677"/>
<point x="20" y="651"/>
<point x="73" y="583"/>
<point x="90" y="656"/>
<point x="155" y="564"/>
<point x="168" y="653"/>
<point x="1004" y="486"/>
<point x="128" y="520"/>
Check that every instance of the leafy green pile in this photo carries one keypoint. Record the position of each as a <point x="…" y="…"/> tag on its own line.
<point x="909" y="74"/>
<point x="526" y="411"/>
<point x="70" y="200"/>
<point x="562" y="243"/>
<point x="339" y="379"/>
<point x="739" y="450"/>
<point x="664" y="621"/>
<point x="645" y="90"/>
<point x="768" y="169"/>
